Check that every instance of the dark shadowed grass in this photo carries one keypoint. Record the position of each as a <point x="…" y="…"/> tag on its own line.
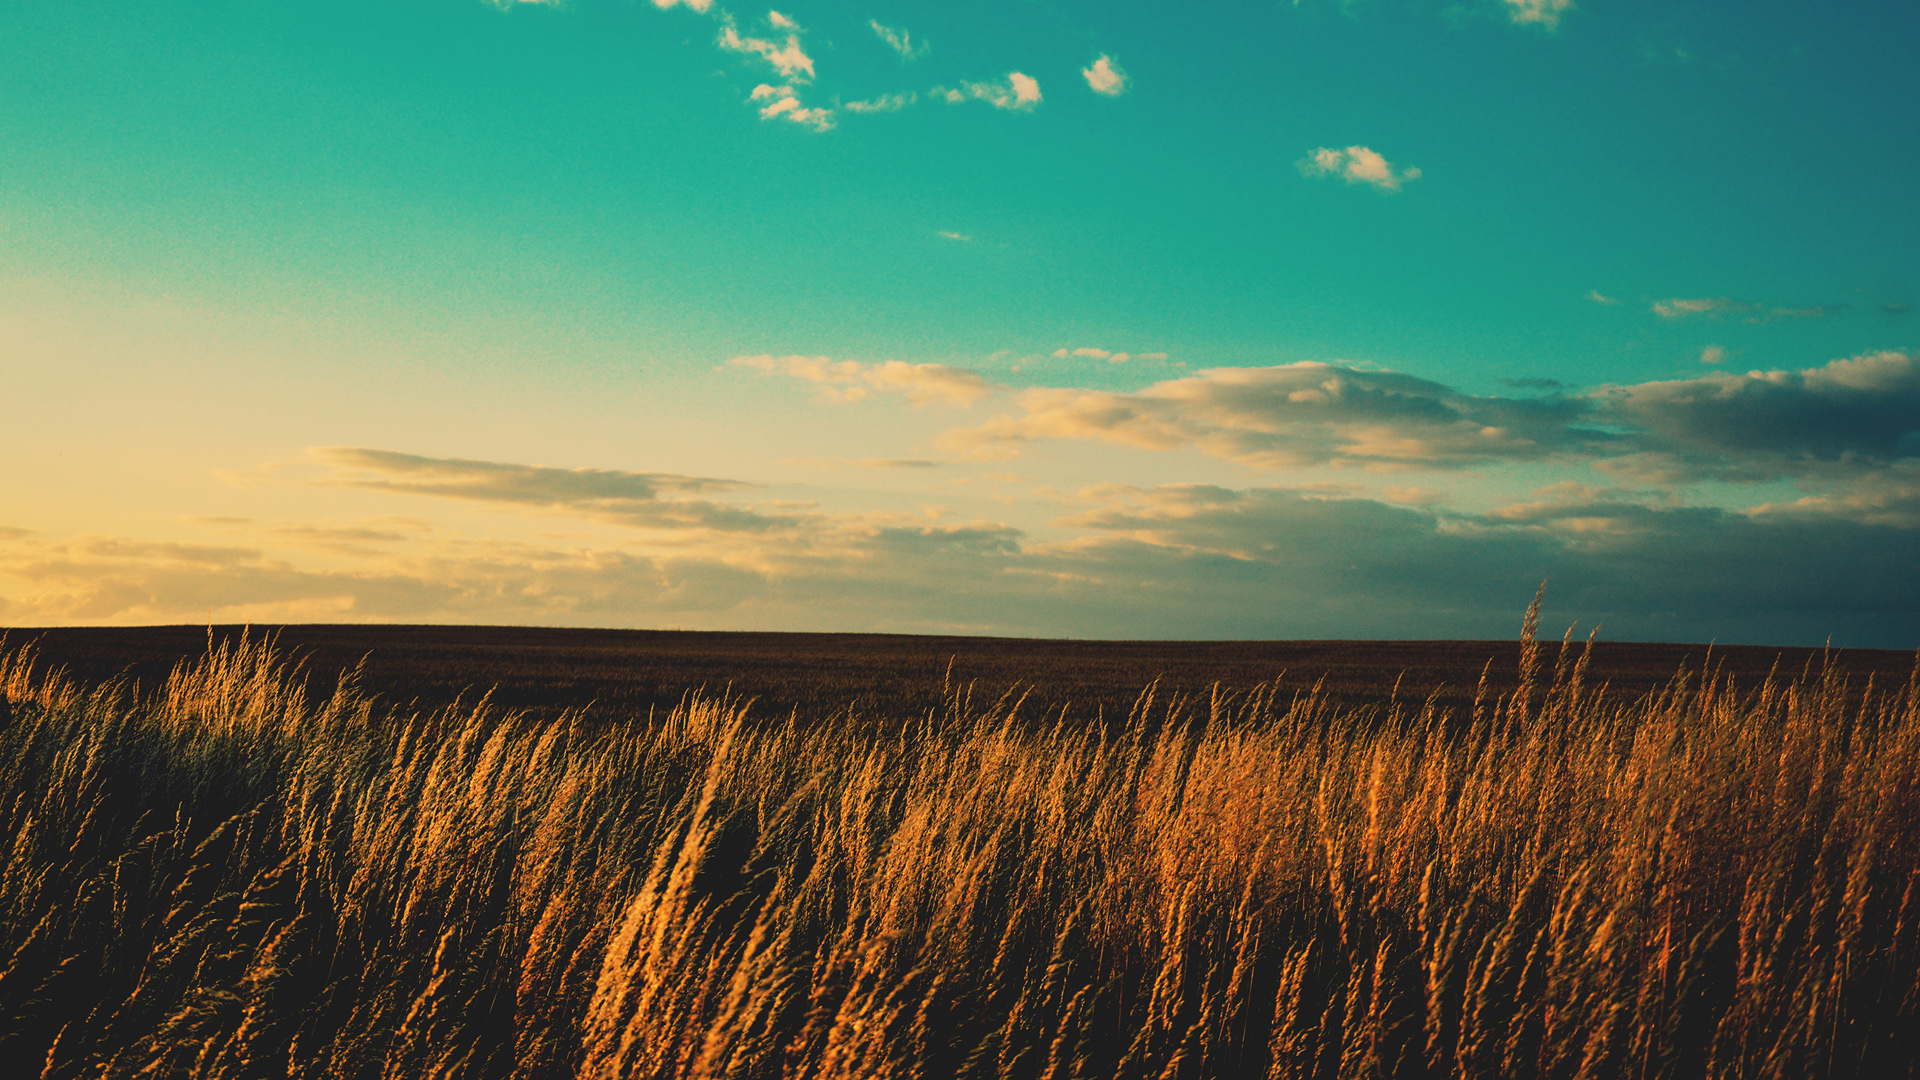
<point x="229" y="878"/>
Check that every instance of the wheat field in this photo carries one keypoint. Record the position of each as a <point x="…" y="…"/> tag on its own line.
<point x="224" y="878"/>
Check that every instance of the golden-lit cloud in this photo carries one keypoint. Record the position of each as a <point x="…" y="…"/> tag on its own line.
<point x="1538" y="12"/>
<point x="1292" y="415"/>
<point x="1355" y="165"/>
<point x="653" y="500"/>
<point x="657" y="548"/>
<point x="787" y="57"/>
<point x="783" y="103"/>
<point x="1106" y="78"/>
<point x="1091" y="353"/>
<point x="1018" y="92"/>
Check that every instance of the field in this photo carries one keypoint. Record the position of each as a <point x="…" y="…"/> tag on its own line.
<point x="240" y="865"/>
<point x="625" y="673"/>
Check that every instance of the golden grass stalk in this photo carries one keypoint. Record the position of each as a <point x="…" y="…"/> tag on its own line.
<point x="229" y="878"/>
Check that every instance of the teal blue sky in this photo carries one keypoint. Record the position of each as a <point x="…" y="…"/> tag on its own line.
<point x="290" y="288"/>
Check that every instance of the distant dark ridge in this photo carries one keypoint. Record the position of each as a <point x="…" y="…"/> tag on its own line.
<point x="623" y="672"/>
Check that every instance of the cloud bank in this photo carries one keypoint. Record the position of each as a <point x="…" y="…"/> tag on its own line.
<point x="1177" y="560"/>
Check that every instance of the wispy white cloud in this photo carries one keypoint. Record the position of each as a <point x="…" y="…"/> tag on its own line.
<point x="1020" y="92"/>
<point x="1713" y="354"/>
<point x="899" y="41"/>
<point x="1538" y="12"/>
<point x="1598" y="297"/>
<point x="884" y="103"/>
<point x="697" y="5"/>
<point x="788" y="58"/>
<point x="1717" y="307"/>
<point x="1356" y="165"/>
<point x="1104" y="354"/>
<point x="1106" y="77"/>
<point x="783" y="103"/>
<point x="781" y="22"/>
<point x="850" y="380"/>
<point x="961" y="237"/>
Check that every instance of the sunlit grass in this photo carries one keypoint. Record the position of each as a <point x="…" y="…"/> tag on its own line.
<point x="227" y="878"/>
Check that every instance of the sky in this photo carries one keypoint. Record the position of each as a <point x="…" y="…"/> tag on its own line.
<point x="1311" y="319"/>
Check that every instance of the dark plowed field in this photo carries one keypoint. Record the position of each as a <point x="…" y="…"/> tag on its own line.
<point x="631" y="671"/>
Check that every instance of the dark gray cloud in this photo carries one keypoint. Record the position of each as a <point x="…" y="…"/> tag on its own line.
<point x="1855" y="415"/>
<point x="1272" y="562"/>
<point x="1864" y="410"/>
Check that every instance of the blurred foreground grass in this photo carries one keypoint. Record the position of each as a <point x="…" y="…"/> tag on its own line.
<point x="229" y="878"/>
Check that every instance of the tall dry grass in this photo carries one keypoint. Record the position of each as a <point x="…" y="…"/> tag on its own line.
<point x="226" y="878"/>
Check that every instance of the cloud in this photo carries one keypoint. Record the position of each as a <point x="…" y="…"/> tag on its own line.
<point x="653" y="500"/>
<point x="1105" y="354"/>
<point x="1357" y="165"/>
<point x="1846" y="418"/>
<point x="782" y="103"/>
<point x="1106" y="78"/>
<point x="1856" y="412"/>
<point x="787" y="59"/>
<point x="899" y="41"/>
<point x="850" y="380"/>
<point x="697" y="5"/>
<point x="883" y="103"/>
<point x="1680" y="309"/>
<point x="1296" y="414"/>
<point x="1648" y="572"/>
<point x="1018" y="92"/>
<point x="1538" y="12"/>
<point x="1886" y="497"/>
<point x="1596" y="296"/>
<point x="781" y="22"/>
<point x="1183" y="560"/>
<point x="1713" y="354"/>
<point x="961" y="237"/>
<point x="1716" y="307"/>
